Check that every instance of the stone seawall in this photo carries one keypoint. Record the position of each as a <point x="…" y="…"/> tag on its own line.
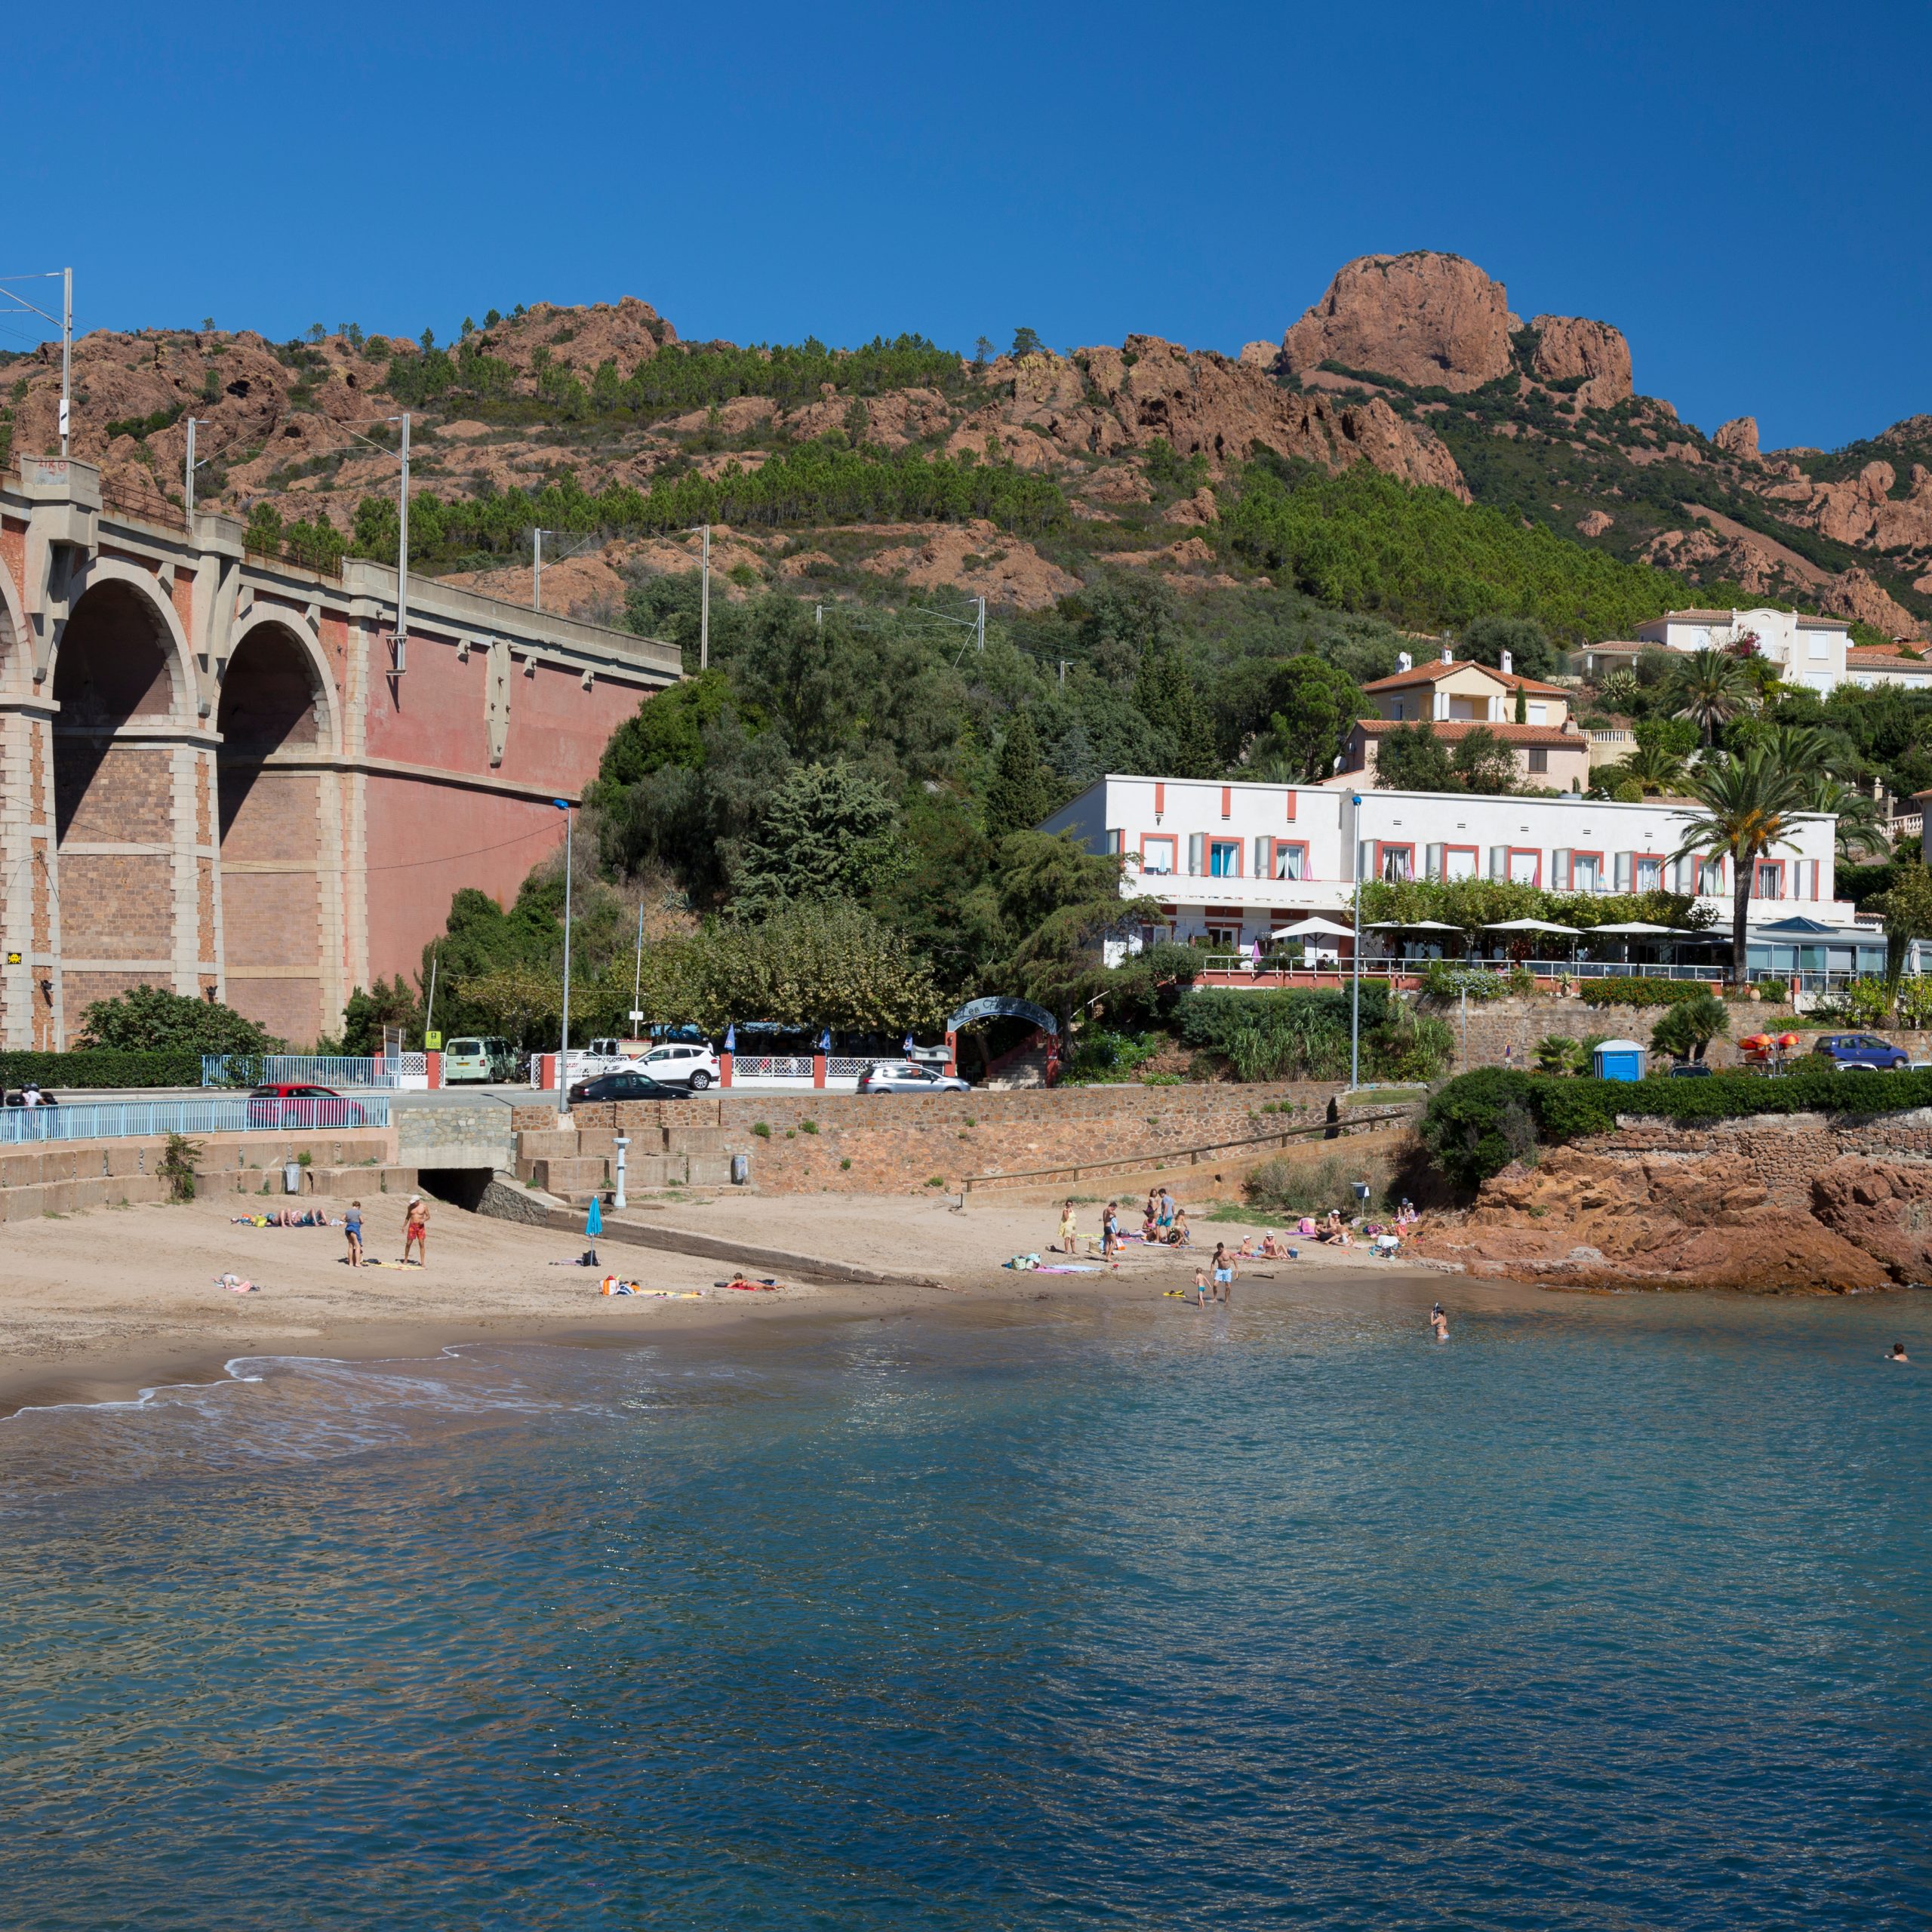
<point x="851" y="1143"/>
<point x="1779" y="1201"/>
<point x="1517" y="1025"/>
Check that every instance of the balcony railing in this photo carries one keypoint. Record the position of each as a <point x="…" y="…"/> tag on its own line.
<point x="113" y="1121"/>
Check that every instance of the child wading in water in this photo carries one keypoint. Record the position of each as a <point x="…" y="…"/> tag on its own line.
<point x="352" y="1226"/>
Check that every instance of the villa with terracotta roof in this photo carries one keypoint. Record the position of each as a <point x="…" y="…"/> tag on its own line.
<point x="1458" y="696"/>
<point x="1808" y="651"/>
<point x="1869" y="664"/>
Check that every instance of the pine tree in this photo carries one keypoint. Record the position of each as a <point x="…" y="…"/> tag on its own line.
<point x="1022" y="791"/>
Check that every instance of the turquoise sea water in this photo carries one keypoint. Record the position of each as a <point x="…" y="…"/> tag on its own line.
<point x="1610" y="1613"/>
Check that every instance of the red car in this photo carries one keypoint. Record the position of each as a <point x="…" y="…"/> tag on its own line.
<point x="294" y="1103"/>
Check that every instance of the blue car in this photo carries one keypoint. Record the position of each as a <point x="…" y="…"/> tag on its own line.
<point x="1861" y="1050"/>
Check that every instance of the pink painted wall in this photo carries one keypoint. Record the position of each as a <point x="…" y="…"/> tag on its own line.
<point x="425" y="840"/>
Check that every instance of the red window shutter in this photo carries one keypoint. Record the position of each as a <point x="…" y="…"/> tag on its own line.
<point x="1227" y="801"/>
<point x="1291" y="808"/>
<point x="1160" y="799"/>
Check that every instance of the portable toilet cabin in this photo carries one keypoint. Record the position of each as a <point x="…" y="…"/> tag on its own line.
<point x="1619" y="1059"/>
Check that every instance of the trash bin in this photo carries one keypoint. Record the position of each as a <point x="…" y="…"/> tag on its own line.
<point x="1619" y="1059"/>
<point x="292" y="1176"/>
<point x="741" y="1169"/>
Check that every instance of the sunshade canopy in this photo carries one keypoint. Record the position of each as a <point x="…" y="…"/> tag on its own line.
<point x="1531" y="926"/>
<point x="1304" y="928"/>
<point x="1633" y="926"/>
<point x="1419" y="925"/>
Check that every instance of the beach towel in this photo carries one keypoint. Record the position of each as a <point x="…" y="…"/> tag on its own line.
<point x="234" y="1284"/>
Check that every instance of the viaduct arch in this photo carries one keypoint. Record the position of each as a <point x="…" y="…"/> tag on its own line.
<point x="216" y="776"/>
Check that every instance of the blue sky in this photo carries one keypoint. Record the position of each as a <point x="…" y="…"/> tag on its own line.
<point x="1743" y="190"/>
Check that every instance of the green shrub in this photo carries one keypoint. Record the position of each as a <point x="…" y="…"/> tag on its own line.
<point x="1689" y="1026"/>
<point x="1779" y="990"/>
<point x="1457" y="980"/>
<point x="1475" y="1124"/>
<point x="1631" y="991"/>
<point x="808" y="1126"/>
<point x="762" y="1128"/>
<point x="97" y="1068"/>
<point x="178" y="1162"/>
<point x="1288" y="1186"/>
<point x="846" y="1164"/>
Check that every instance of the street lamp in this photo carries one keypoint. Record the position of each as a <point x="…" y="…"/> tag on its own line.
<point x="65" y="318"/>
<point x="563" y="1048"/>
<point x="1354" y="1006"/>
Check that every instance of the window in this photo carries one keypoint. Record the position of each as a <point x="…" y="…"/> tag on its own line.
<point x="1539" y="714"/>
<point x="1649" y="874"/>
<point x="1290" y="861"/>
<point x="1586" y="872"/>
<point x="1820" y="645"/>
<point x="1710" y="878"/>
<point x="1525" y="867"/>
<point x="1460" y="861"/>
<point x="1770" y="878"/>
<point x="1224" y="858"/>
<point x="1538" y="759"/>
<point x="1224" y="939"/>
<point x="1399" y="864"/>
<point x="1157" y="852"/>
<point x="1396" y="710"/>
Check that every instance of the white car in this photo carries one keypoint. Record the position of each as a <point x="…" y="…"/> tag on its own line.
<point x="903" y="1076"/>
<point x="681" y="1063"/>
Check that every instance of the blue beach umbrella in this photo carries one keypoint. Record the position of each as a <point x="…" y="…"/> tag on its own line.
<point x="593" y="1222"/>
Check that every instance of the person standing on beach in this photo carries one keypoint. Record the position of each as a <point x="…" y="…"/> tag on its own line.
<point x="1070" y="1228"/>
<point x="1224" y="1273"/>
<point x="416" y="1231"/>
<point x="352" y="1226"/>
<point x="1110" y="1231"/>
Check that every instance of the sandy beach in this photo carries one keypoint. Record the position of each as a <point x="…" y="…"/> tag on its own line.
<point x="99" y="1305"/>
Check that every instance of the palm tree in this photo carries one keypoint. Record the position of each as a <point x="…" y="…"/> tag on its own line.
<point x="1749" y="800"/>
<point x="1657" y="767"/>
<point x="1712" y="687"/>
<point x="1861" y="832"/>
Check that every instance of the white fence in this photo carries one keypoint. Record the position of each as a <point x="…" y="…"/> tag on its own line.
<point x="398" y="1071"/>
<point x="118" y="1120"/>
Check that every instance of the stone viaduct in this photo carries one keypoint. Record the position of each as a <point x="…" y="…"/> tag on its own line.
<point x="214" y="776"/>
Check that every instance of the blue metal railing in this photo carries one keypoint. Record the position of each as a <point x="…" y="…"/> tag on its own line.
<point x="115" y="1121"/>
<point x="311" y="1069"/>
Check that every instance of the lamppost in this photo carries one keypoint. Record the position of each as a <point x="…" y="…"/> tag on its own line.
<point x="1354" y="1004"/>
<point x="563" y="1046"/>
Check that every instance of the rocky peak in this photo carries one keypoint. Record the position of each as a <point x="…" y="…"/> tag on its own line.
<point x="1569" y="348"/>
<point x="1739" y="438"/>
<point x="1425" y="319"/>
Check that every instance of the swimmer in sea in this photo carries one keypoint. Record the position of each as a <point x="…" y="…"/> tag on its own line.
<point x="1899" y="1355"/>
<point x="1438" y="1323"/>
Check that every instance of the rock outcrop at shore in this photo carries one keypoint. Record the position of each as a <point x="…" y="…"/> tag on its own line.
<point x="1778" y="1205"/>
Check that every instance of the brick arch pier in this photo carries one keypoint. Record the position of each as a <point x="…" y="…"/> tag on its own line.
<point x="213" y="778"/>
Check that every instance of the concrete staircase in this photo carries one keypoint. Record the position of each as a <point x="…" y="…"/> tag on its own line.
<point x="672" y="1144"/>
<point x="1010" y="1072"/>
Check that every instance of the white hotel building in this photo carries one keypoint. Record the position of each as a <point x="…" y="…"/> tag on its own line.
<point x="1229" y="863"/>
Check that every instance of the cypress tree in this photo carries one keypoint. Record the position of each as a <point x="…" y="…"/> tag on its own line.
<point x="1022" y="791"/>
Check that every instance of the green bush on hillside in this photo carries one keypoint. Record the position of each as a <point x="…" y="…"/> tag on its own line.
<point x="1361" y="541"/>
<point x="1635" y="991"/>
<point x="1477" y="1124"/>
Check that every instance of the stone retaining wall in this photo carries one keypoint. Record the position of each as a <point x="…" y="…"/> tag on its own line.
<point x="1786" y="1152"/>
<point x="891" y="1143"/>
<point x="1518" y="1024"/>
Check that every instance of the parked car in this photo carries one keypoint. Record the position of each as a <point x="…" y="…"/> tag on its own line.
<point x="687" y="1062"/>
<point x="626" y="1086"/>
<point x="1865" y="1051"/>
<point x="1690" y="1069"/>
<point x="474" y="1056"/>
<point x="903" y="1076"/>
<point x="291" y="1103"/>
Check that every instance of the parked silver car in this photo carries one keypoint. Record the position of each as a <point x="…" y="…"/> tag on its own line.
<point x="903" y="1076"/>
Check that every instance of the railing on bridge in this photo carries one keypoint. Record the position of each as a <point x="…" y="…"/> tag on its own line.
<point x="314" y="1070"/>
<point x="120" y="1120"/>
<point x="1240" y="967"/>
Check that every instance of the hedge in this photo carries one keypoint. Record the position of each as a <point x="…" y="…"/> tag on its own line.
<point x="103" y="1067"/>
<point x="1634" y="991"/>
<point x="1479" y="1122"/>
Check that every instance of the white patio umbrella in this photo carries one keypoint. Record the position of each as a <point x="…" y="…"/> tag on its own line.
<point x="1635" y="927"/>
<point x="1307" y="928"/>
<point x="1416" y="925"/>
<point x="1530" y="926"/>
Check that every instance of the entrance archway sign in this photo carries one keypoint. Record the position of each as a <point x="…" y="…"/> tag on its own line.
<point x="996" y="1007"/>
